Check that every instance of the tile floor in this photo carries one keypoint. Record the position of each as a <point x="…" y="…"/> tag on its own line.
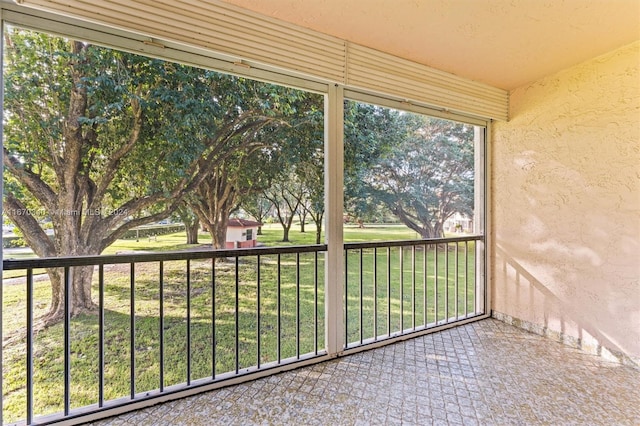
<point x="484" y="373"/>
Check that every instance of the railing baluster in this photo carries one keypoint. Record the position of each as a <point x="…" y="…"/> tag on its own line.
<point x="297" y="305"/>
<point x="29" y="346"/>
<point x="435" y="285"/>
<point x="346" y="297"/>
<point x="258" y="316"/>
<point x="278" y="300"/>
<point x="457" y="259"/>
<point x="361" y="297"/>
<point x="213" y="318"/>
<point x="446" y="283"/>
<point x="401" y="289"/>
<point x="375" y="293"/>
<point x="424" y="285"/>
<point x="237" y="315"/>
<point x="413" y="287"/>
<point x="466" y="278"/>
<point x="188" y="322"/>
<point x="388" y="291"/>
<point x="161" y="301"/>
<point x="315" y="305"/>
<point x="101" y="335"/>
<point x="132" y="316"/>
<point x="67" y="340"/>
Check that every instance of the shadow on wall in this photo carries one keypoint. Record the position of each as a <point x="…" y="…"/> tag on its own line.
<point x="550" y="314"/>
<point x="565" y="202"/>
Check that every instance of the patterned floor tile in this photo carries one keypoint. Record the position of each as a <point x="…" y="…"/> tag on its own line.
<point x="483" y="373"/>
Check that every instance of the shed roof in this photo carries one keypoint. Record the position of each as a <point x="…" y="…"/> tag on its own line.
<point x="242" y="223"/>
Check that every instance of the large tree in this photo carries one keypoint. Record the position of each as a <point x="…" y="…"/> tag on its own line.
<point x="309" y="167"/>
<point x="370" y="132"/>
<point x="427" y="177"/>
<point x="100" y="141"/>
<point x="311" y="176"/>
<point x="260" y="157"/>
<point x="190" y="221"/>
<point x="257" y="206"/>
<point x="286" y="197"/>
<point x="220" y="192"/>
<point x="416" y="168"/>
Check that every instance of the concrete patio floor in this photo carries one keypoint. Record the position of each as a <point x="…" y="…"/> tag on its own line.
<point x="484" y="373"/>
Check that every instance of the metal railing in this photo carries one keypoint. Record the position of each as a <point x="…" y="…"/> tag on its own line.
<point x="165" y="323"/>
<point x="170" y="324"/>
<point x="395" y="288"/>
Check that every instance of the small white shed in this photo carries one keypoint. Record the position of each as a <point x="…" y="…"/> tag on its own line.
<point x="242" y="233"/>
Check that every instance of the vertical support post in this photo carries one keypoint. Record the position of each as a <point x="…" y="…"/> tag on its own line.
<point x="481" y="201"/>
<point x="334" y="203"/>
<point x="1" y="213"/>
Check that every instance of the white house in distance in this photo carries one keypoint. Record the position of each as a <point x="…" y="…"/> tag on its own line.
<point x="458" y="223"/>
<point x="241" y="233"/>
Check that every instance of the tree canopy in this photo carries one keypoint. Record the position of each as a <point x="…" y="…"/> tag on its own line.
<point x="421" y="169"/>
<point x="100" y="141"/>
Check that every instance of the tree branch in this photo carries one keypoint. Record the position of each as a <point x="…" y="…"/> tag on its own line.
<point x="35" y="236"/>
<point x="32" y="181"/>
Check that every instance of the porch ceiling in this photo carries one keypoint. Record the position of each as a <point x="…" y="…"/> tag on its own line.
<point x="503" y="43"/>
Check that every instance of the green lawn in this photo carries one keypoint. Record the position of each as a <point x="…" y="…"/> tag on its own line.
<point x="298" y="304"/>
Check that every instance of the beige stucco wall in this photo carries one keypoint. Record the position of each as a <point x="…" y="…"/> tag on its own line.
<point x="566" y="205"/>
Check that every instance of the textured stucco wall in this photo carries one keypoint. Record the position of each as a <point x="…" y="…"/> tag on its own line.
<point x="566" y="205"/>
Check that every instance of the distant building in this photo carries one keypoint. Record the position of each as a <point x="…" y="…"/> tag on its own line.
<point x="458" y="223"/>
<point x="242" y="233"/>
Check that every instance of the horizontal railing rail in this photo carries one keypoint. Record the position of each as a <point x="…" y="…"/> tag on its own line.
<point x="164" y="323"/>
<point x="396" y="288"/>
<point x="406" y="243"/>
<point x="9" y="264"/>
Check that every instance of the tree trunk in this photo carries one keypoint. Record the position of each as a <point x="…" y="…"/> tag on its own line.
<point x="303" y="219"/>
<point x="285" y="233"/>
<point x="218" y="234"/>
<point x="80" y="296"/>
<point x="192" y="231"/>
<point x="191" y="222"/>
<point x="259" y="230"/>
<point x="318" y="233"/>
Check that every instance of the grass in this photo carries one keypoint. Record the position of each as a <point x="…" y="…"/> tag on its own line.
<point x="399" y="302"/>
